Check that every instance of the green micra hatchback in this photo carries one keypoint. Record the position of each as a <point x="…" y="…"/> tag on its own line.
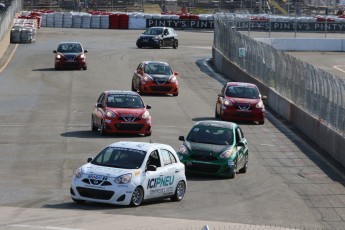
<point x="214" y="148"/>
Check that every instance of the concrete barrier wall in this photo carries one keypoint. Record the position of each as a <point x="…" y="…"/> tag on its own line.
<point x="305" y="44"/>
<point x="324" y="137"/>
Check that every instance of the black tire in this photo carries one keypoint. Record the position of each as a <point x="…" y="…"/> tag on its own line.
<point x="175" y="94"/>
<point x="245" y="167"/>
<point x="148" y="134"/>
<point x="132" y="87"/>
<point x="85" y="68"/>
<point x="93" y="127"/>
<point x="101" y="129"/>
<point x="160" y="45"/>
<point x="78" y="201"/>
<point x="139" y="46"/>
<point x="232" y="174"/>
<point x="175" y="45"/>
<point x="137" y="197"/>
<point x="216" y="115"/>
<point x="139" y="89"/>
<point x="179" y="192"/>
<point x="262" y="122"/>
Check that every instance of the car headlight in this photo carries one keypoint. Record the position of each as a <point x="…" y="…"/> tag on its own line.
<point x="260" y="105"/>
<point x="146" y="115"/>
<point x="156" y="38"/>
<point x="110" y="114"/>
<point x="124" y="179"/>
<point x="173" y="79"/>
<point x="78" y="173"/>
<point x="227" y="153"/>
<point x="183" y="150"/>
<point x="227" y="102"/>
<point x="82" y="56"/>
<point x="147" y="78"/>
<point x="58" y="56"/>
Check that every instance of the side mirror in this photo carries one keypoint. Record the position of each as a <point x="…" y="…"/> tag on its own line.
<point x="181" y="138"/>
<point x="240" y="143"/>
<point x="148" y="106"/>
<point x="89" y="159"/>
<point x="175" y="73"/>
<point x="85" y="51"/>
<point x="99" y="105"/>
<point x="54" y="51"/>
<point x="264" y="98"/>
<point x="151" y="168"/>
<point x="220" y="95"/>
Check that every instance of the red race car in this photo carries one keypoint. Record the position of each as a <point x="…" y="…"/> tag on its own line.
<point x="121" y="112"/>
<point x="240" y="101"/>
<point x="155" y="77"/>
<point x="70" y="55"/>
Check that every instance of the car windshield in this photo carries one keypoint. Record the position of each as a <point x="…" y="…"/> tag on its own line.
<point x="242" y="92"/>
<point x="154" y="31"/>
<point x="211" y="135"/>
<point x="124" y="101"/>
<point x="70" y="48"/>
<point x="120" y="158"/>
<point x="157" y="68"/>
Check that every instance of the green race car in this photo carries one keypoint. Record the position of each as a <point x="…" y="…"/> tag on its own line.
<point x="214" y="148"/>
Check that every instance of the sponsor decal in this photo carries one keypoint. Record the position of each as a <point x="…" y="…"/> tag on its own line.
<point x="160" y="182"/>
<point x="180" y="23"/>
<point x="167" y="190"/>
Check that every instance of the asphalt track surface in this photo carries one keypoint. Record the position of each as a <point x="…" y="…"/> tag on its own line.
<point x="45" y="135"/>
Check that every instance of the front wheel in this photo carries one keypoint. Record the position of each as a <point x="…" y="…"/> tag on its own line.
<point x="179" y="192"/>
<point x="160" y="45"/>
<point x="175" y="45"/>
<point x="102" y="129"/>
<point x="216" y="115"/>
<point x="93" y="126"/>
<point x="137" y="197"/>
<point x="132" y="87"/>
<point x="245" y="166"/>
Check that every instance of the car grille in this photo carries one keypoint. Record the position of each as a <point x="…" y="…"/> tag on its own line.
<point x="129" y="119"/>
<point x="205" y="168"/>
<point x="95" y="193"/>
<point x="203" y="158"/>
<point x="243" y="106"/>
<point x="160" y="81"/>
<point x="129" y="127"/>
<point x="70" y="57"/>
<point x="160" y="88"/>
<point x="245" y="113"/>
<point x="97" y="182"/>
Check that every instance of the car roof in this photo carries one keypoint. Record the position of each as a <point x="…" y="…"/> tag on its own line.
<point x="121" y="92"/>
<point x="246" y="84"/>
<point x="69" y="43"/>
<point x="143" y="146"/>
<point x="224" y="124"/>
<point x="157" y="62"/>
<point x="160" y="27"/>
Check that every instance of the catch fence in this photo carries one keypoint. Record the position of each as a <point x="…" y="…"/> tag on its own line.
<point x="316" y="91"/>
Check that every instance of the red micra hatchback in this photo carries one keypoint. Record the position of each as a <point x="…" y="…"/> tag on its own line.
<point x="70" y="55"/>
<point x="155" y="77"/>
<point x="240" y="101"/>
<point x="121" y="112"/>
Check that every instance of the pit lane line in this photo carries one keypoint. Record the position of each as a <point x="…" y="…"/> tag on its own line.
<point x="340" y="69"/>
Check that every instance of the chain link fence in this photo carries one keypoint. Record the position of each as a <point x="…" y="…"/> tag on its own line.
<point x="314" y="90"/>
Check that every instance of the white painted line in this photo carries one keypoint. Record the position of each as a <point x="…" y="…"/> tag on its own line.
<point x="338" y="68"/>
<point x="9" y="58"/>
<point x="41" y="227"/>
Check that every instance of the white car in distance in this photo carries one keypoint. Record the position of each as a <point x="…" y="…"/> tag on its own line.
<point x="128" y="173"/>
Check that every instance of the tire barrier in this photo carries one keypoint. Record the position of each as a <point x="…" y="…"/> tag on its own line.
<point x="25" y="27"/>
<point x="139" y="20"/>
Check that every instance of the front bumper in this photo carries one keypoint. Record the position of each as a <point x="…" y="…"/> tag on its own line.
<point x="223" y="167"/>
<point x="155" y="88"/>
<point x="60" y="63"/>
<point x="137" y="127"/>
<point x="112" y="194"/>
<point x="147" y="43"/>
<point x="243" y="115"/>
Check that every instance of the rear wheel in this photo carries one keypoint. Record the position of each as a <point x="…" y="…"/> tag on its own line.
<point x="179" y="192"/>
<point x="137" y="197"/>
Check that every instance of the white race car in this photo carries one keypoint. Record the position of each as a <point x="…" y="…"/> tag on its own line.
<point x="127" y="173"/>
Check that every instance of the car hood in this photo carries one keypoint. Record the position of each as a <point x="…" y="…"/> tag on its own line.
<point x="149" y="36"/>
<point x="91" y="169"/>
<point x="128" y="112"/>
<point x="70" y="54"/>
<point x="206" y="149"/>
